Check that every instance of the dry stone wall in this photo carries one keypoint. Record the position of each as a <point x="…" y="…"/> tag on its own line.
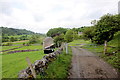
<point x="39" y="65"/>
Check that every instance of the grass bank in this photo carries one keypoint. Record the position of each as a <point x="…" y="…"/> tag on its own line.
<point x="58" y="68"/>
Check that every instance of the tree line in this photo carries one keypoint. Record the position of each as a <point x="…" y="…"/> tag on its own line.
<point x="64" y="34"/>
<point x="11" y="34"/>
<point x="101" y="30"/>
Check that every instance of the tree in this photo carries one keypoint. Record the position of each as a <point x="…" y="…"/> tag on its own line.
<point x="56" y="31"/>
<point x="33" y="39"/>
<point x="89" y="33"/>
<point x="75" y="35"/>
<point x="106" y="27"/>
<point x="24" y="37"/>
<point x="81" y="29"/>
<point x="69" y="36"/>
<point x="5" y="38"/>
<point x="12" y="39"/>
<point x="58" y="40"/>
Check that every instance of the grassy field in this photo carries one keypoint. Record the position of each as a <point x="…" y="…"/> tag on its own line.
<point x="13" y="63"/>
<point x="78" y="42"/>
<point x="30" y="47"/>
<point x="0" y="66"/>
<point x="17" y="36"/>
<point x="0" y="63"/>
<point x="34" y="47"/>
<point x="16" y="43"/>
<point x="20" y="42"/>
<point x="8" y="47"/>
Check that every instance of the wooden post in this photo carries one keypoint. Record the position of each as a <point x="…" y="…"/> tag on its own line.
<point x="105" y="47"/>
<point x="63" y="46"/>
<point x="66" y="48"/>
<point x="58" y="44"/>
<point x="31" y="67"/>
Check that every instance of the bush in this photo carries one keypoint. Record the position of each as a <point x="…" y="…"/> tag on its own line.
<point x="5" y="38"/>
<point x="23" y="37"/>
<point x="69" y="36"/>
<point x="12" y="39"/>
<point x="26" y="44"/>
<point x="106" y="27"/>
<point x="58" y="40"/>
<point x="7" y="44"/>
<point x="113" y="60"/>
<point x="33" y="39"/>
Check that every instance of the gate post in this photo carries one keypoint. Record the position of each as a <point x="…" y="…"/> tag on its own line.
<point x="105" y="47"/>
<point x="66" y="48"/>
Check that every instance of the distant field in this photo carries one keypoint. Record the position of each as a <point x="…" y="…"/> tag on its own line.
<point x="17" y="36"/>
<point x="0" y="66"/>
<point x="30" y="47"/>
<point x="17" y="42"/>
<point x="8" y="47"/>
<point x="20" y="42"/>
<point x="78" y="42"/>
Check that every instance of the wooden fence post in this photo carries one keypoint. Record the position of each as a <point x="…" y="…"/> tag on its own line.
<point x="105" y="47"/>
<point x="31" y="67"/>
<point x="63" y="46"/>
<point x="66" y="48"/>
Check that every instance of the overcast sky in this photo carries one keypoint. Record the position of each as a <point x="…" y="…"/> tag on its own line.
<point x="41" y="15"/>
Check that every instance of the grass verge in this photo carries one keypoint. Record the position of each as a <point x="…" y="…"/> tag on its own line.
<point x="58" y="68"/>
<point x="113" y="50"/>
<point x="112" y="56"/>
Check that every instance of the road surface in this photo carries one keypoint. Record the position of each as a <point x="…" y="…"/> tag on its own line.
<point x="85" y="64"/>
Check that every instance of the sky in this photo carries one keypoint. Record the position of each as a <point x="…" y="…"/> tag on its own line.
<point x="41" y="15"/>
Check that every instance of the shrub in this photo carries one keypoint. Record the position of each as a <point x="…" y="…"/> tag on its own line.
<point x="7" y="44"/>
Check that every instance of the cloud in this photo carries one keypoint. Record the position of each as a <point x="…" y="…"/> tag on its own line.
<point x="41" y="15"/>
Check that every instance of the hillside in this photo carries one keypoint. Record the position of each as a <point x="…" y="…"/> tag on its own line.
<point x="13" y="31"/>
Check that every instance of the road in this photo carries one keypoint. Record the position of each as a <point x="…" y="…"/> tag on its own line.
<point x="85" y="64"/>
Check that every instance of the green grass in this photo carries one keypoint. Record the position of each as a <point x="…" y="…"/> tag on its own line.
<point x="94" y="48"/>
<point x="58" y="68"/>
<point x="13" y="63"/>
<point x="30" y="47"/>
<point x="0" y="48"/>
<point x="17" y="42"/>
<point x="77" y="42"/>
<point x="17" y="36"/>
<point x="20" y="43"/>
<point x="8" y="47"/>
<point x="0" y="66"/>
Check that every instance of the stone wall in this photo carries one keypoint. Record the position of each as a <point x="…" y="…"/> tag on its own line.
<point x="39" y="65"/>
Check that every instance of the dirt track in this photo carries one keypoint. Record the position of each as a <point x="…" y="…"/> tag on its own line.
<point x="87" y="65"/>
